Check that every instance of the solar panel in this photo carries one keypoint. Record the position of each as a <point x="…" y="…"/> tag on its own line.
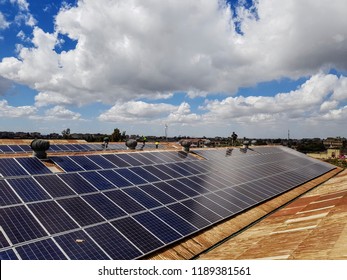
<point x="54" y="185"/>
<point x="113" y="243"/>
<point x="10" y="167"/>
<point x="80" y="211"/>
<point x="102" y="204"/>
<point x="33" y="165"/>
<point x="7" y="196"/>
<point x="16" y="148"/>
<point x="19" y="225"/>
<point x="125" y="210"/>
<point x="79" y="246"/>
<point x="97" y="180"/>
<point x="41" y="250"/>
<point x="52" y="217"/>
<point x="138" y="235"/>
<point x="28" y="189"/>
<point x="66" y="163"/>
<point x="77" y="183"/>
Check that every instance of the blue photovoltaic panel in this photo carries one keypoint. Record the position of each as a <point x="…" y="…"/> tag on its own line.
<point x="55" y="148"/>
<point x="184" y="196"/>
<point x="52" y="217"/>
<point x="182" y="188"/>
<point x="8" y="255"/>
<point x="26" y="148"/>
<point x="164" y="168"/>
<point x="115" y="178"/>
<point x="79" y="246"/>
<point x="157" y="227"/>
<point x="16" y="148"/>
<point x="33" y="166"/>
<point x="28" y="189"/>
<point x="7" y="196"/>
<point x="124" y="201"/>
<point x="77" y="183"/>
<point x="202" y="210"/>
<point x="144" y="174"/>
<point x="97" y="181"/>
<point x="155" y="171"/>
<point x="168" y="189"/>
<point x="104" y="206"/>
<point x="85" y="163"/>
<point x="80" y="211"/>
<point x="41" y="250"/>
<point x="142" y="197"/>
<point x="157" y="193"/>
<point x="129" y="159"/>
<point x="138" y="235"/>
<point x="66" y="164"/>
<point x="189" y="215"/>
<point x="3" y="241"/>
<point x="6" y="149"/>
<point x="113" y="243"/>
<point x="175" y="221"/>
<point x="131" y="176"/>
<point x="19" y="225"/>
<point x="142" y="158"/>
<point x="54" y="186"/>
<point x="116" y="160"/>
<point x="101" y="161"/>
<point x="9" y="167"/>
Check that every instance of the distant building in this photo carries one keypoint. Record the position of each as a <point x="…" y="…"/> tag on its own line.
<point x="336" y="143"/>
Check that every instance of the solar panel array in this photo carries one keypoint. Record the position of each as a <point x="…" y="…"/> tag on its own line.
<point x="125" y="206"/>
<point x="15" y="149"/>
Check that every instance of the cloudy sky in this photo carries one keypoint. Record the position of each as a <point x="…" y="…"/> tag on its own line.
<point x="203" y="67"/>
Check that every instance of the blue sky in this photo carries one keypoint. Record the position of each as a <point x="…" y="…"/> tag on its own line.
<point x="204" y="68"/>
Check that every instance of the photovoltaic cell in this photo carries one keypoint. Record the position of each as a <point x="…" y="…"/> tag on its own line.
<point x="79" y="246"/>
<point x="8" y="255"/>
<point x="131" y="176"/>
<point x="16" y="148"/>
<point x="115" y="178"/>
<point x="52" y="217"/>
<point x="157" y="193"/>
<point x="9" y="167"/>
<point x="124" y="201"/>
<point x="81" y="212"/>
<point x="202" y="210"/>
<point x="85" y="163"/>
<point x="164" y="168"/>
<point x="67" y="164"/>
<point x="77" y="183"/>
<point x="182" y="188"/>
<point x="155" y="171"/>
<point x="142" y="158"/>
<point x="157" y="227"/>
<point x="33" y="165"/>
<point x="104" y="206"/>
<point x="144" y="174"/>
<point x="175" y="221"/>
<point x="28" y="189"/>
<point x="220" y="210"/>
<point x="116" y="160"/>
<point x="101" y="161"/>
<point x="142" y="197"/>
<point x="19" y="225"/>
<point x="54" y="186"/>
<point x="113" y="243"/>
<point x="168" y="189"/>
<point x="41" y="250"/>
<point x="138" y="235"/>
<point x="3" y="241"/>
<point x="97" y="181"/>
<point x="7" y="196"/>
<point x="177" y="168"/>
<point x="129" y="159"/>
<point x="189" y="215"/>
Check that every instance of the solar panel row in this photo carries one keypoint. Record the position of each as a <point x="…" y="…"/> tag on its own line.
<point x="12" y="149"/>
<point x="128" y="212"/>
<point x="11" y="167"/>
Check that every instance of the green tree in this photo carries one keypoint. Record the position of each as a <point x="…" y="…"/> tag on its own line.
<point x="66" y="133"/>
<point x="116" y="136"/>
